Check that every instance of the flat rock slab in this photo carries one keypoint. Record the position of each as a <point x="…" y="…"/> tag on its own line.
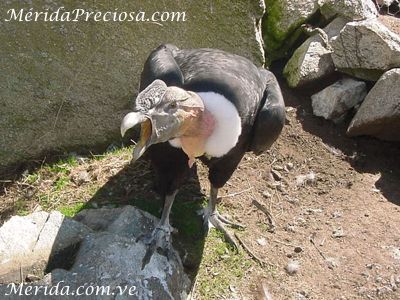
<point x="366" y="49"/>
<point x="109" y="260"/>
<point x="29" y="242"/>
<point x="336" y="100"/>
<point x="379" y="114"/>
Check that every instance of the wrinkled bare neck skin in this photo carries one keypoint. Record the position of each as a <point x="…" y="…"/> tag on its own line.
<point x="195" y="133"/>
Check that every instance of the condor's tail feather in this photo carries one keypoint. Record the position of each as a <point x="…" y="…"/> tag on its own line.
<point x="271" y="116"/>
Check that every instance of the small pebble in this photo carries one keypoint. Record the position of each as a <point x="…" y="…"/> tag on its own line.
<point x="262" y="241"/>
<point x="81" y="178"/>
<point x="331" y="262"/>
<point x="276" y="174"/>
<point x="309" y="178"/>
<point x="266" y="194"/>
<point x="292" y="267"/>
<point x="292" y="200"/>
<point x="338" y="232"/>
<point x="336" y="214"/>
<point x="298" y="249"/>
<point x="278" y="168"/>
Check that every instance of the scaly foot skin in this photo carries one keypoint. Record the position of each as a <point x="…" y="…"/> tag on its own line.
<point x="216" y="220"/>
<point x="159" y="239"/>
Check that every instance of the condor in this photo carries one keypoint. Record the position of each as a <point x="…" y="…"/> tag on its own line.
<point x="206" y="104"/>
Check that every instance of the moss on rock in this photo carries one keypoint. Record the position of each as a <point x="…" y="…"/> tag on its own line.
<point x="281" y="25"/>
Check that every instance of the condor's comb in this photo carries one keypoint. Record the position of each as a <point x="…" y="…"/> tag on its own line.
<point x="150" y="96"/>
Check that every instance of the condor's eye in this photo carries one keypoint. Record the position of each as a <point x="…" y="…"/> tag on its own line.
<point x="172" y="105"/>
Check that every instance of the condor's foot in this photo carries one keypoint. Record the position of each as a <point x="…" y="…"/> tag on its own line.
<point x="160" y="240"/>
<point x="218" y="221"/>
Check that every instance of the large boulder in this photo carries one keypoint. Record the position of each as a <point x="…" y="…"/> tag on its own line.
<point x="312" y="61"/>
<point x="280" y="24"/>
<point x="366" y="49"/>
<point x="66" y="85"/>
<point x="350" y="9"/>
<point x="379" y="114"/>
<point x="333" y="102"/>
<point x="108" y="256"/>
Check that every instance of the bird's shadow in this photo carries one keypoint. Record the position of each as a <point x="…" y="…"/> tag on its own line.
<point x="134" y="185"/>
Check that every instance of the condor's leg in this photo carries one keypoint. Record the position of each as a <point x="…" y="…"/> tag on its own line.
<point x="160" y="238"/>
<point x="171" y="168"/>
<point x="219" y="173"/>
<point x="212" y="218"/>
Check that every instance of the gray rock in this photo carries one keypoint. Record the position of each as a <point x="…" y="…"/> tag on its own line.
<point x="366" y="49"/>
<point x="127" y="220"/>
<point x="337" y="99"/>
<point x="312" y="60"/>
<point x="281" y="21"/>
<point x="110" y="258"/>
<point x="72" y="88"/>
<point x="28" y="242"/>
<point x="350" y="9"/>
<point x="379" y="114"/>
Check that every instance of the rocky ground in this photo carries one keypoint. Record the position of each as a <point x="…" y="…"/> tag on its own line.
<point x="334" y="202"/>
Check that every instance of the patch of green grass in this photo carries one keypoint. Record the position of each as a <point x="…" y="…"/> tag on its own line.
<point x="61" y="183"/>
<point x="264" y="227"/>
<point x="221" y="267"/>
<point x="32" y="178"/>
<point x="185" y="218"/>
<point x="72" y="210"/>
<point x="63" y="166"/>
<point x="21" y="208"/>
<point x="124" y="152"/>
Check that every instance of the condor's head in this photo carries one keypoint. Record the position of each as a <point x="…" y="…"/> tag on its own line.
<point x="168" y="113"/>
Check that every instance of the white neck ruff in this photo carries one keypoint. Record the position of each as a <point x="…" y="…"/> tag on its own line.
<point x="227" y="125"/>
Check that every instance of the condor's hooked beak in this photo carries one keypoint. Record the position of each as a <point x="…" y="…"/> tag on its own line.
<point x="131" y="120"/>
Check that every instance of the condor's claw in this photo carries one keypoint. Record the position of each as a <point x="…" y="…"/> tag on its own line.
<point x="216" y="220"/>
<point x="160" y="240"/>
